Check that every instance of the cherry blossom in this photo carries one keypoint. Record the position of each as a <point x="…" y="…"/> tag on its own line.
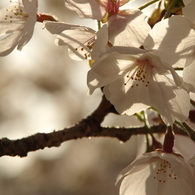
<point x="17" y="25"/>
<point x="80" y="39"/>
<point x="125" y="27"/>
<point x="135" y="79"/>
<point x="157" y="173"/>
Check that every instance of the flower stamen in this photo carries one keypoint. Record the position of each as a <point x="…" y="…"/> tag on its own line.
<point x="140" y="74"/>
<point x="16" y="14"/>
<point x="86" y="46"/>
<point x="164" y="169"/>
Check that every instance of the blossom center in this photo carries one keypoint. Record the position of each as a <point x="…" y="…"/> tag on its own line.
<point x="141" y="74"/>
<point x="164" y="172"/>
<point x="15" y="13"/>
<point x="86" y="46"/>
<point x="112" y="6"/>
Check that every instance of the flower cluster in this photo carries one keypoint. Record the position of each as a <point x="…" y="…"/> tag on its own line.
<point x="137" y="65"/>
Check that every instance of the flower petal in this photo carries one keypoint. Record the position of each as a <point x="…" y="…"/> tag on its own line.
<point x="188" y="10"/>
<point x="58" y="27"/>
<point x="188" y="75"/>
<point x="173" y="47"/>
<point x="31" y="8"/>
<point x="106" y="70"/>
<point x="128" y="28"/>
<point x="86" y="8"/>
<point x="172" y="103"/>
<point x="101" y="42"/>
<point x="9" y="42"/>
<point x="7" y="24"/>
<point x="79" y="40"/>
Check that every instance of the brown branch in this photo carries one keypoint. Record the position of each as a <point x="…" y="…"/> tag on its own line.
<point x="21" y="147"/>
<point x="89" y="127"/>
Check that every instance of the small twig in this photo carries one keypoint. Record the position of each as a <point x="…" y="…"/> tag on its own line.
<point x="147" y="4"/>
<point x="87" y="127"/>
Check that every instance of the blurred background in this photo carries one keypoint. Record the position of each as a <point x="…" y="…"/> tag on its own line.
<point x="42" y="89"/>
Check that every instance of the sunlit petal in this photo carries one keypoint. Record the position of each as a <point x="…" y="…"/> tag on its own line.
<point x="17" y="19"/>
<point x="157" y="173"/>
<point x="86" y="8"/>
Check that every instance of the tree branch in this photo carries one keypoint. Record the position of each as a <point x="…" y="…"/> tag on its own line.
<point x="89" y="127"/>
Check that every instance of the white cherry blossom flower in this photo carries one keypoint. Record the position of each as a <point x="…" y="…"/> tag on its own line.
<point x="79" y="39"/>
<point x="157" y="173"/>
<point x="17" y="25"/>
<point x="83" y="42"/>
<point x="125" y="27"/>
<point x="135" y="79"/>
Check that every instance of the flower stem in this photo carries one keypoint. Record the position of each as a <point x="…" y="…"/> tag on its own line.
<point x="172" y="5"/>
<point x="169" y="140"/>
<point x="43" y="17"/>
<point x="99" y="24"/>
<point x="147" y="4"/>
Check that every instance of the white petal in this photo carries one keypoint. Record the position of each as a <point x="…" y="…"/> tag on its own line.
<point x="138" y="183"/>
<point x="188" y="75"/>
<point x="171" y="102"/>
<point x="79" y="40"/>
<point x="192" y="164"/>
<point x="142" y="159"/>
<point x="9" y="42"/>
<point x="30" y="6"/>
<point x="86" y="8"/>
<point x="58" y="27"/>
<point x="6" y="23"/>
<point x="184" y="181"/>
<point x="27" y="31"/>
<point x="107" y="70"/>
<point x="127" y="99"/>
<point x="186" y="149"/>
<point x="101" y="42"/>
<point x="173" y="38"/>
<point x="188" y="10"/>
<point x="133" y="52"/>
<point x="128" y="28"/>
